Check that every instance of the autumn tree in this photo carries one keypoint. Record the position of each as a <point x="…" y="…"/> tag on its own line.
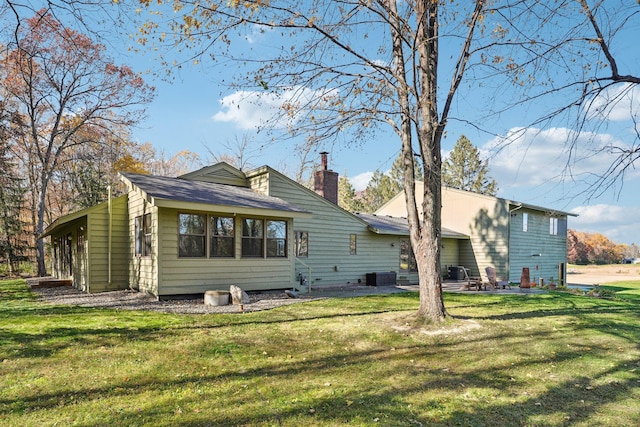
<point x="465" y="170"/>
<point x="174" y="165"/>
<point x="631" y="251"/>
<point x="62" y="83"/>
<point x="87" y="171"/>
<point x="592" y="248"/>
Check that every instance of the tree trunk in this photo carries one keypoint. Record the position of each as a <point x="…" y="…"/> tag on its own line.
<point x="40" y="255"/>
<point x="427" y="244"/>
<point x="428" y="258"/>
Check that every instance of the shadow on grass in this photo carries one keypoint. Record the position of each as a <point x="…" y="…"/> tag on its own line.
<point x="482" y="396"/>
<point x="485" y="386"/>
<point x="51" y="340"/>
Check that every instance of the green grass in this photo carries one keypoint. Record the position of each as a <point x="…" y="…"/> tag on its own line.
<point x="550" y="360"/>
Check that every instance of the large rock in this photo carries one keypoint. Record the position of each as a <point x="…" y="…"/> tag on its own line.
<point x="238" y="296"/>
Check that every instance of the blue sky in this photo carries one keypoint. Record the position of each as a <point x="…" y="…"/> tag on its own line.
<point x="198" y="113"/>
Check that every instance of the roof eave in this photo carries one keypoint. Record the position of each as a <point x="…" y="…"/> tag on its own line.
<point x="229" y="209"/>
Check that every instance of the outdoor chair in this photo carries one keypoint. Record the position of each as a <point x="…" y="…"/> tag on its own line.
<point x="493" y="280"/>
<point x="472" y="282"/>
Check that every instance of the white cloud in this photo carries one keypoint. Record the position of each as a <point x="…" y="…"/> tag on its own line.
<point x="361" y="181"/>
<point x="257" y="33"/>
<point x="253" y="109"/>
<point x="619" y="223"/>
<point x="533" y="157"/>
<point x="617" y="103"/>
<point x="248" y="110"/>
<point x="602" y="214"/>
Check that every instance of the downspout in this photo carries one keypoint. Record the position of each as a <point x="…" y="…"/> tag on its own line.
<point x="109" y="231"/>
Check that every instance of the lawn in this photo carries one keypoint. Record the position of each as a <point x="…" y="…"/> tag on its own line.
<point x="549" y="360"/>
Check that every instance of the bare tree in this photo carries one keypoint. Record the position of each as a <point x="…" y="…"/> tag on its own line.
<point x="609" y="86"/>
<point x="62" y="83"/>
<point x="347" y="69"/>
<point x="342" y="70"/>
<point x="238" y="153"/>
<point x="582" y="71"/>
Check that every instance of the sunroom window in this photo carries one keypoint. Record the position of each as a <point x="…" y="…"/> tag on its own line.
<point x="192" y="234"/>
<point x="252" y="237"/>
<point x="222" y="237"/>
<point x="276" y="239"/>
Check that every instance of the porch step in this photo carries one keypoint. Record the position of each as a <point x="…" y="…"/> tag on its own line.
<point x="50" y="283"/>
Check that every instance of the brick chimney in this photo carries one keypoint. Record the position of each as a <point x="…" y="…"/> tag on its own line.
<point x="326" y="181"/>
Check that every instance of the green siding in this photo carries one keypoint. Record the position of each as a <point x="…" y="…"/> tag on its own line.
<point x="98" y="247"/>
<point x="143" y="271"/>
<point x="90" y="261"/>
<point x="197" y="275"/>
<point x="329" y="237"/>
<point x="494" y="226"/>
<point x="449" y="253"/>
<point x="536" y="248"/>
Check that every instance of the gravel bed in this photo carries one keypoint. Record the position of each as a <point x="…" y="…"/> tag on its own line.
<point x="132" y="300"/>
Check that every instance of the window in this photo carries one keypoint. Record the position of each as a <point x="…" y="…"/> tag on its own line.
<point x="562" y="227"/>
<point x="191" y="235"/>
<point x="353" y="244"/>
<point x="407" y="258"/>
<point x="525" y="222"/>
<point x="143" y="235"/>
<point x="252" y="237"/>
<point x="553" y="226"/>
<point x="222" y="237"/>
<point x="302" y="244"/>
<point x="276" y="239"/>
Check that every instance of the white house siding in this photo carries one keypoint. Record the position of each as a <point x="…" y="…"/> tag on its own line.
<point x="143" y="270"/>
<point x="197" y="275"/>
<point x="329" y="237"/>
<point x="536" y="248"/>
<point x="485" y="220"/>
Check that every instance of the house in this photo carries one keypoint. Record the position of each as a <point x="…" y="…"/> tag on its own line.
<point x="91" y="247"/>
<point x="506" y="234"/>
<point x="220" y="226"/>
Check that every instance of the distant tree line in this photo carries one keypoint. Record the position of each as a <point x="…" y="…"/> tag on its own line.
<point x="594" y="248"/>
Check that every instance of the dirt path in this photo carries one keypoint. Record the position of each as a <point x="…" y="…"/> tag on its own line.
<point x="599" y="274"/>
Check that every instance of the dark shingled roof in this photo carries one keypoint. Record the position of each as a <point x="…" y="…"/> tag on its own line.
<point x="206" y="192"/>
<point x="384" y="224"/>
